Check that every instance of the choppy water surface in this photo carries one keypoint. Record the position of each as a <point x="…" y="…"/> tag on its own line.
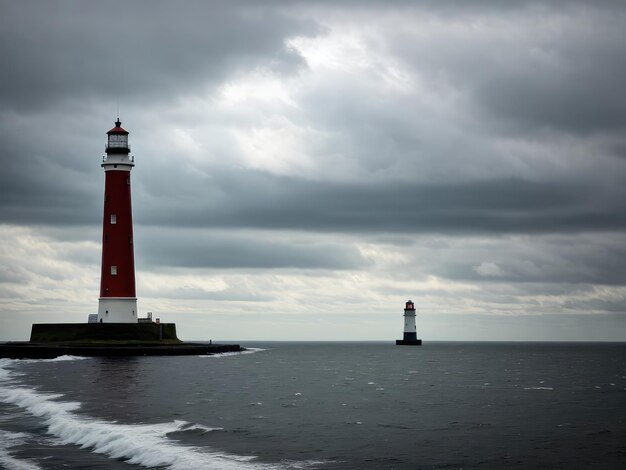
<point x="321" y="405"/>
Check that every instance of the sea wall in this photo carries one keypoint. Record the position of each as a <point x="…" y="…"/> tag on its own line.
<point x="62" y="332"/>
<point x="26" y="350"/>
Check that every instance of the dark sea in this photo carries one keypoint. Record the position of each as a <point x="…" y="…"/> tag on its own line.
<point x="321" y="406"/>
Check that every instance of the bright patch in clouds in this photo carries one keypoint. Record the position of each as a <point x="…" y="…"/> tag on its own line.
<point x="258" y="86"/>
<point x="352" y="55"/>
<point x="279" y="147"/>
<point x="488" y="269"/>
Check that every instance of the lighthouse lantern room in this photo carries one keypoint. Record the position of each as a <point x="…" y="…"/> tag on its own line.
<point x="118" y="301"/>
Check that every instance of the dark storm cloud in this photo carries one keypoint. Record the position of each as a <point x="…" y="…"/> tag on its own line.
<point x="500" y="206"/>
<point x="197" y="249"/>
<point x="529" y="65"/>
<point x="46" y="181"/>
<point x="133" y="51"/>
<point x="57" y="52"/>
<point x="260" y="200"/>
<point x="582" y="93"/>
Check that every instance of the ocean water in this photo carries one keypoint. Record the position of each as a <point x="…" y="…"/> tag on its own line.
<point x="321" y="406"/>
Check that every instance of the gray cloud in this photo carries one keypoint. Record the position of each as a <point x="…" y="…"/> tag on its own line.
<point x="578" y="90"/>
<point x="132" y="52"/>
<point x="47" y="180"/>
<point x="261" y="200"/>
<point x="231" y="294"/>
<point x="199" y="249"/>
<point x="469" y="152"/>
<point x="559" y="261"/>
<point x="506" y="206"/>
<point x="529" y="66"/>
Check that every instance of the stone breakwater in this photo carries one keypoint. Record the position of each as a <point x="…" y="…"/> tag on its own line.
<point x="31" y="350"/>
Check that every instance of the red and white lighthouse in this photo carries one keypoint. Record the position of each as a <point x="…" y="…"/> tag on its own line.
<point x="118" y="301"/>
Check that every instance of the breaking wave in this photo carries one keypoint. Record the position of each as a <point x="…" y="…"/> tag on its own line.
<point x="238" y="353"/>
<point x="64" y="358"/>
<point x="9" y="440"/>
<point x="147" y="445"/>
<point x="55" y="359"/>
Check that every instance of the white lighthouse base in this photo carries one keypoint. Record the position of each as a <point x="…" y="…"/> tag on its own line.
<point x="117" y="309"/>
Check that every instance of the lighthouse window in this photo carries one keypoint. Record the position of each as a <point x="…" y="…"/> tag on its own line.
<point x="128" y="181"/>
<point x="113" y="219"/>
<point x="118" y="141"/>
<point x="113" y="270"/>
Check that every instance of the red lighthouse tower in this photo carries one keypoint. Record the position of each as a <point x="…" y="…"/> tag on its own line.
<point x="118" y="301"/>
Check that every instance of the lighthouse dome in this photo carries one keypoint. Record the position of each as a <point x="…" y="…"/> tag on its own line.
<point x="118" y="129"/>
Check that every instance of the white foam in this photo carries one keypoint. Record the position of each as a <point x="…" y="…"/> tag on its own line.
<point x="5" y="374"/>
<point x="198" y="427"/>
<point x="55" y="359"/>
<point x="236" y="353"/>
<point x="538" y="388"/>
<point x="65" y="358"/>
<point x="9" y="440"/>
<point x="142" y="444"/>
<point x="13" y="362"/>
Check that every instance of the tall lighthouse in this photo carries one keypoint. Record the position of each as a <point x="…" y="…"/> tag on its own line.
<point x="410" y="331"/>
<point x="115" y="330"/>
<point x="118" y="301"/>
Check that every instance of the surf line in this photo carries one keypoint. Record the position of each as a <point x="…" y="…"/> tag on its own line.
<point x="147" y="445"/>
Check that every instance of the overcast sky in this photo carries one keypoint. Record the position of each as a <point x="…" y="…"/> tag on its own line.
<point x="304" y="168"/>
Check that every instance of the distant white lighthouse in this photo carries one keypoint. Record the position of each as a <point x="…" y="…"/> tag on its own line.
<point x="410" y="330"/>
